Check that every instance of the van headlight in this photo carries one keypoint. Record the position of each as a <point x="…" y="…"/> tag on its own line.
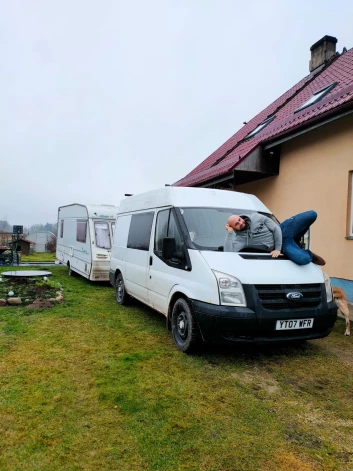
<point x="231" y="291"/>
<point x="328" y="287"/>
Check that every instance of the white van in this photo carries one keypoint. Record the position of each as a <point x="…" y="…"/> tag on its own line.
<point x="85" y="233"/>
<point x="168" y="253"/>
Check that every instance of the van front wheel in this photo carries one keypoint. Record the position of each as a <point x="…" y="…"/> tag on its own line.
<point x="184" y="326"/>
<point x="121" y="295"/>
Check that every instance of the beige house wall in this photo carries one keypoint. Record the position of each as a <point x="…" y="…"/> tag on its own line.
<point x="314" y="174"/>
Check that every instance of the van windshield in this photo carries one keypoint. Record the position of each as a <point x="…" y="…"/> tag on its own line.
<point x="206" y="226"/>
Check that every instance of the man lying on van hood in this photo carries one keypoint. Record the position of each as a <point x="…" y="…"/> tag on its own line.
<point x="260" y="232"/>
<point x="255" y="231"/>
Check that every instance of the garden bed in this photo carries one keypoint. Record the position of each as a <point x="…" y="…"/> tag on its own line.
<point x="31" y="291"/>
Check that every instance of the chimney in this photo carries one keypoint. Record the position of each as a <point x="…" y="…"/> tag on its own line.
<point x="322" y="51"/>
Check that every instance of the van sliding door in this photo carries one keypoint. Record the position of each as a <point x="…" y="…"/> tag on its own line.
<point x="137" y="254"/>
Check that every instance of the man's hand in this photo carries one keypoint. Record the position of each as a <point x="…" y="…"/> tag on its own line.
<point x="275" y="253"/>
<point x="229" y="229"/>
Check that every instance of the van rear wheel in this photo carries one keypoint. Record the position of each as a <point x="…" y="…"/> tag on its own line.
<point x="120" y="293"/>
<point x="185" y="330"/>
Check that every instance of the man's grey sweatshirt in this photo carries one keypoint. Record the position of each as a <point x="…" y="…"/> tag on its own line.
<point x="261" y="233"/>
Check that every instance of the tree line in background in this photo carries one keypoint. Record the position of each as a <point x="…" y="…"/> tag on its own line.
<point x="6" y="227"/>
<point x="41" y="227"/>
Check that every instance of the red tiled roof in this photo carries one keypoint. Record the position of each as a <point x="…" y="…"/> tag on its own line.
<point x="236" y="149"/>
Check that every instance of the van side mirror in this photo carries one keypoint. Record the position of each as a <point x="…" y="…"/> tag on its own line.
<point x="168" y="247"/>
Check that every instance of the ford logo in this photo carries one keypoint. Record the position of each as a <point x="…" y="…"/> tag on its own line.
<point x="294" y="296"/>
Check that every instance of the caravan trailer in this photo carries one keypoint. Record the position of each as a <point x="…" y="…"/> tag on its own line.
<point x="85" y="234"/>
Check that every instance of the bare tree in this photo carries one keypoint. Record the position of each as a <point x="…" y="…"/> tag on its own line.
<point x="51" y="244"/>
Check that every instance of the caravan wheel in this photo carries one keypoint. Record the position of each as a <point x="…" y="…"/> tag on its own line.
<point x="69" y="271"/>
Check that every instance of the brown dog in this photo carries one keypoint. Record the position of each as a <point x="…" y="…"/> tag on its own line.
<point x="341" y="303"/>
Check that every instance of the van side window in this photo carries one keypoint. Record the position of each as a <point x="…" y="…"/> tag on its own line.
<point x="173" y="231"/>
<point x="101" y="230"/>
<point x="81" y="231"/>
<point x="161" y="229"/>
<point x="166" y="226"/>
<point x="140" y="231"/>
<point x="62" y="229"/>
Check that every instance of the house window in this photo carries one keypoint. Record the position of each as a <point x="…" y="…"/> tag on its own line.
<point x="62" y="228"/>
<point x="102" y="233"/>
<point x="350" y="207"/>
<point x="260" y="127"/>
<point x="81" y="231"/>
<point x="317" y="96"/>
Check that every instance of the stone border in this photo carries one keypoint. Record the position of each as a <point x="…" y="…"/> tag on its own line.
<point x="18" y="301"/>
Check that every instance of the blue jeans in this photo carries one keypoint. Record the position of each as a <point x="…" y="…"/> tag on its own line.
<point x="292" y="231"/>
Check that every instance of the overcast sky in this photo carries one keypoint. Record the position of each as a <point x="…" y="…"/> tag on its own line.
<point x="102" y="98"/>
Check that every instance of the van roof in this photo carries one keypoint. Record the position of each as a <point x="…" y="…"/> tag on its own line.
<point x="191" y="197"/>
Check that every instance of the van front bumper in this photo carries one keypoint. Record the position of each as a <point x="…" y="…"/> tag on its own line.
<point x="226" y="324"/>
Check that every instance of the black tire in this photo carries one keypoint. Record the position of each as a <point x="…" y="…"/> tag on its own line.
<point x="185" y="330"/>
<point x="69" y="271"/>
<point x="120" y="292"/>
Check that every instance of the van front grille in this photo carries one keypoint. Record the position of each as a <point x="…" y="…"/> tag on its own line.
<point x="274" y="297"/>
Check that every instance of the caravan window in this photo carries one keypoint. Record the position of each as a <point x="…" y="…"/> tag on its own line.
<point x="101" y="230"/>
<point x="62" y="229"/>
<point x="81" y="231"/>
<point x="140" y="231"/>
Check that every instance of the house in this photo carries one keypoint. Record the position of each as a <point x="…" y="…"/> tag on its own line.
<point x="5" y="238"/>
<point x="297" y="154"/>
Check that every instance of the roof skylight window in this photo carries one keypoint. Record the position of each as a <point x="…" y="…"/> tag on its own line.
<point x="317" y="96"/>
<point x="260" y="126"/>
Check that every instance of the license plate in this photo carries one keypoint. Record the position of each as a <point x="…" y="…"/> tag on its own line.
<point x="292" y="324"/>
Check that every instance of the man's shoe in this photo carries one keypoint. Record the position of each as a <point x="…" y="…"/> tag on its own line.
<point x="317" y="259"/>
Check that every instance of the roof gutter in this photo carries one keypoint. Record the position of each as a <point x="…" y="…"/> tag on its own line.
<point x="316" y="125"/>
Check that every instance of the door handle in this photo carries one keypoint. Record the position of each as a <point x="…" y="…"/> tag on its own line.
<point x="151" y="260"/>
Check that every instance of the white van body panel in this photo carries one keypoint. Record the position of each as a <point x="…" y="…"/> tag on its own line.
<point x="262" y="271"/>
<point x="164" y="280"/>
<point x="118" y="253"/>
<point x="85" y="258"/>
<point x="136" y="269"/>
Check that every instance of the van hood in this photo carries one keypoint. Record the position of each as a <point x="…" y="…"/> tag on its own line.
<point x="262" y="271"/>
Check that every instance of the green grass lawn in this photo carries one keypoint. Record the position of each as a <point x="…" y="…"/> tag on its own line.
<point x="90" y="385"/>
<point x="38" y="257"/>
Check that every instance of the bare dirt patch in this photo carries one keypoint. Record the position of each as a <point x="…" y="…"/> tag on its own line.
<point x="259" y="379"/>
